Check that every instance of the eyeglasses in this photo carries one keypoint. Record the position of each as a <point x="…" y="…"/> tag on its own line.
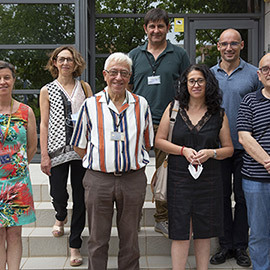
<point x="265" y="70"/>
<point x="233" y="44"/>
<point x="200" y="82"/>
<point x="63" y="59"/>
<point x="114" y="73"/>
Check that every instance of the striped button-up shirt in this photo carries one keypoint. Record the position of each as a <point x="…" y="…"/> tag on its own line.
<point x="98" y="118"/>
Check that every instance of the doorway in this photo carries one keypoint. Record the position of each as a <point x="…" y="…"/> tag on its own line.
<point x="202" y="36"/>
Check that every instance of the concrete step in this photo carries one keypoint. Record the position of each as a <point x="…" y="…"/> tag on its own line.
<point x="42" y="251"/>
<point x="146" y="262"/>
<point x="45" y="215"/>
<point x="38" y="242"/>
<point x="40" y="183"/>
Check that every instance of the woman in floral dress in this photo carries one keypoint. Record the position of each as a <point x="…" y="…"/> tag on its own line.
<point x="18" y="143"/>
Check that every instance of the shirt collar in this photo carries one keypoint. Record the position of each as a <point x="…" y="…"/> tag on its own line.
<point x="129" y="97"/>
<point x="260" y="96"/>
<point x="241" y="65"/>
<point x="169" y="47"/>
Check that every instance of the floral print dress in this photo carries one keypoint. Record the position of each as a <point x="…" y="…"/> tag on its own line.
<point x="16" y="199"/>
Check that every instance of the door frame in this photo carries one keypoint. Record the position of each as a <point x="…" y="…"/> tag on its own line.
<point x="253" y="25"/>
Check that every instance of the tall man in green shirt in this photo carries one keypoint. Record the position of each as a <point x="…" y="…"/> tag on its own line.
<point x="156" y="67"/>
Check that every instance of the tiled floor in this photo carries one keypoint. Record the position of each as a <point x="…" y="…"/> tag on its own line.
<point x="146" y="262"/>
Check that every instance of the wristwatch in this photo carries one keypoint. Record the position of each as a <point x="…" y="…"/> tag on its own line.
<point x="215" y="154"/>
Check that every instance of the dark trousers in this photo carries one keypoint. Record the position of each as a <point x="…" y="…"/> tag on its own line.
<point x="161" y="206"/>
<point x="59" y="194"/>
<point x="103" y="191"/>
<point x="235" y="227"/>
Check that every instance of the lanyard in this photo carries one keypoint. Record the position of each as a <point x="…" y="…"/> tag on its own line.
<point x="121" y="116"/>
<point x="3" y="137"/>
<point x="157" y="63"/>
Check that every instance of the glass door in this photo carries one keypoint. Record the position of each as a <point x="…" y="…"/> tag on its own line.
<point x="202" y="36"/>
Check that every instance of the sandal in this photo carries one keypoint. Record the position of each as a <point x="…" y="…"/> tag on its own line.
<point x="76" y="261"/>
<point x="57" y="230"/>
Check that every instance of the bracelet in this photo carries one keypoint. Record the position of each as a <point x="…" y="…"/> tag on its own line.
<point x="215" y="154"/>
<point x="182" y="149"/>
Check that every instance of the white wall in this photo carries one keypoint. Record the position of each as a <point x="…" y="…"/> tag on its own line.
<point x="267" y="27"/>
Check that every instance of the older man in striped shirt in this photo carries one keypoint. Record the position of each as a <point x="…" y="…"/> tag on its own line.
<point x="253" y="125"/>
<point x="113" y="134"/>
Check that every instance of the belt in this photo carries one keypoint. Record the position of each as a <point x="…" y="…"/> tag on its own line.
<point x="119" y="174"/>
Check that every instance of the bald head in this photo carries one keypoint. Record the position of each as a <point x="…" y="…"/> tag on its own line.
<point x="231" y="32"/>
<point x="264" y="72"/>
<point x="264" y="59"/>
<point x="230" y="44"/>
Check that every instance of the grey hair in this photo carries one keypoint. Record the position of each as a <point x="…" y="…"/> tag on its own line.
<point x="118" y="57"/>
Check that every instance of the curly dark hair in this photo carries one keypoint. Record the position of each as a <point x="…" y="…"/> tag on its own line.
<point x="213" y="94"/>
<point x="78" y="59"/>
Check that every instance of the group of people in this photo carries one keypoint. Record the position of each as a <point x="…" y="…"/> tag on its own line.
<point x="219" y="145"/>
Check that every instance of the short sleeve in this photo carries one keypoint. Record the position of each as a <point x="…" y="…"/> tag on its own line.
<point x="245" y="115"/>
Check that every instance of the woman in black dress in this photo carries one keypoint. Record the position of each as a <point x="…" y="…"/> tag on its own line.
<point x="201" y="137"/>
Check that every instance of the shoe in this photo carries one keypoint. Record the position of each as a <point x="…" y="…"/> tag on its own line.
<point x="242" y="257"/>
<point x="221" y="256"/>
<point x="162" y="227"/>
<point x="57" y="230"/>
<point x="76" y="261"/>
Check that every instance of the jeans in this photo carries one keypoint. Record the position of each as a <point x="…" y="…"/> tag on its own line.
<point x="257" y="196"/>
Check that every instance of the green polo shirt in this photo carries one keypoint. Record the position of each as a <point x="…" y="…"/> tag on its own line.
<point x="170" y="64"/>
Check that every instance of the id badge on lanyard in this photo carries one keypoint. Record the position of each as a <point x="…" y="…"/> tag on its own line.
<point x="153" y="80"/>
<point x="117" y="136"/>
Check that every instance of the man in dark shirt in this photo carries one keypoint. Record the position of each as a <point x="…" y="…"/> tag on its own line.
<point x="156" y="66"/>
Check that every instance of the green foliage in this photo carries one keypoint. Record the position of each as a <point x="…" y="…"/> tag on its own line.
<point x="34" y="24"/>
<point x="55" y="24"/>
<point x="37" y="24"/>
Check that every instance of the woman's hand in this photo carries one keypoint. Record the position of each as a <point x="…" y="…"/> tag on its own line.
<point x="190" y="155"/>
<point x="203" y="155"/>
<point x="46" y="165"/>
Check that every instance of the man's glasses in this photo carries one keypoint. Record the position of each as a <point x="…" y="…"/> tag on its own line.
<point x="114" y="73"/>
<point x="265" y="70"/>
<point x="200" y="82"/>
<point x="63" y="59"/>
<point x="233" y="44"/>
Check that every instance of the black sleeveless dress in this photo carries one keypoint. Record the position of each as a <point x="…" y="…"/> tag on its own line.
<point x="199" y="200"/>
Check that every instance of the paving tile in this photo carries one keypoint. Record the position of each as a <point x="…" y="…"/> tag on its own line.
<point x="42" y="243"/>
<point x="159" y="262"/>
<point x="44" y="263"/>
<point x="148" y="212"/>
<point x="156" y="243"/>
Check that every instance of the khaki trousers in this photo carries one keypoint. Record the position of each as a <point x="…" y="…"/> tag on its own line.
<point x="127" y="193"/>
